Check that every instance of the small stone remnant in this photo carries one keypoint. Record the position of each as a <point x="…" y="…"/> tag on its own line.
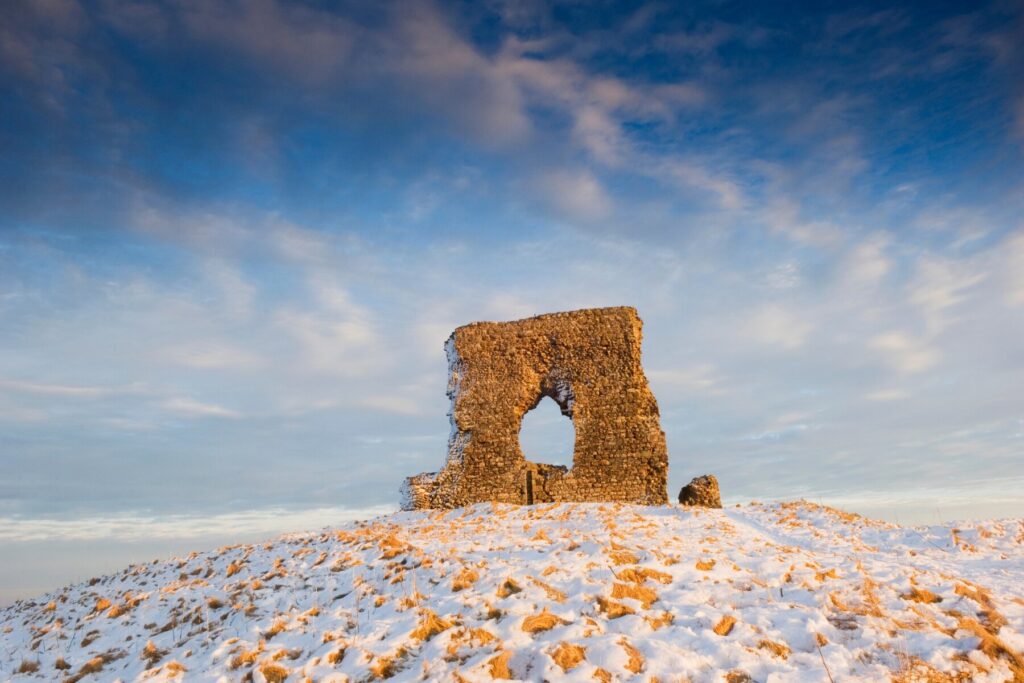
<point x="588" y="361"/>
<point x="701" y="492"/>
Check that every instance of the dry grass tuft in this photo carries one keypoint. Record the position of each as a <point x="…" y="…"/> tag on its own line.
<point x="915" y="670"/>
<point x="61" y="665"/>
<point x="725" y="625"/>
<point x="568" y="656"/>
<point x="990" y="616"/>
<point x="498" y="666"/>
<point x="273" y="672"/>
<point x="545" y="621"/>
<point x="102" y="604"/>
<point x="214" y="603"/>
<point x="612" y="609"/>
<point x="335" y="656"/>
<point x="508" y="587"/>
<point x="636" y="661"/>
<point x="482" y="636"/>
<point x="27" y="667"/>
<point x="633" y="591"/>
<point x="641" y="574"/>
<point x="552" y="592"/>
<point x="151" y="654"/>
<point x="246" y="657"/>
<point x="994" y="647"/>
<point x="705" y="565"/>
<point x="233" y="568"/>
<point x="464" y="579"/>
<point x="780" y="650"/>
<point x="660" y="620"/>
<point x="921" y="595"/>
<point x="429" y="626"/>
<point x="620" y="555"/>
<point x="174" y="668"/>
<point x="602" y="675"/>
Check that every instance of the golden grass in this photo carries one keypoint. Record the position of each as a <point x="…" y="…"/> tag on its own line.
<point x="174" y="668"/>
<point x="246" y="657"/>
<point x="635" y="662"/>
<point x="705" y="565"/>
<point x="151" y="654"/>
<point x="429" y="626"/>
<point x="102" y="604"/>
<point x="387" y="666"/>
<point x="660" y="620"/>
<point x="921" y="595"/>
<point x="994" y="647"/>
<point x="482" y="636"/>
<point x="633" y="591"/>
<point x="602" y="675"/>
<point x="552" y="592"/>
<point x="567" y="656"/>
<point x="273" y="672"/>
<point x="335" y="656"/>
<point x="464" y="579"/>
<point x="27" y="667"/>
<point x="780" y="650"/>
<point x="915" y="670"/>
<point x="641" y="574"/>
<point x="620" y="555"/>
<point x="725" y="625"/>
<point x="545" y="621"/>
<point x="612" y="609"/>
<point x="508" y="587"/>
<point x="275" y="628"/>
<point x="497" y="666"/>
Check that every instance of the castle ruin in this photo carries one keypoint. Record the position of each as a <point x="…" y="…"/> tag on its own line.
<point x="588" y="361"/>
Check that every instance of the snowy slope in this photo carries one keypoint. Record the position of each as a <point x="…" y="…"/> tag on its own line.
<point x="780" y="592"/>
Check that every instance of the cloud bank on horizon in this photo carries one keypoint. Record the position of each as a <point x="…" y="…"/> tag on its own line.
<point x="234" y="236"/>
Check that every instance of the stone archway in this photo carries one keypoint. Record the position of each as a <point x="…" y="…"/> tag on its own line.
<point x="588" y="361"/>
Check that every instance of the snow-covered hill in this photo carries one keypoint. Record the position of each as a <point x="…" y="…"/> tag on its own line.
<point x="780" y="592"/>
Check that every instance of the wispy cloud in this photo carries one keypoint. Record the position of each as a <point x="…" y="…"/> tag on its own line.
<point x="135" y="526"/>
<point x="193" y="408"/>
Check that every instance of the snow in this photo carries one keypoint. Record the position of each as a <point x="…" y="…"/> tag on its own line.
<point x="575" y="592"/>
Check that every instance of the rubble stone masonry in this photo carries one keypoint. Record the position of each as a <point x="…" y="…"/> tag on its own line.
<point x="588" y="361"/>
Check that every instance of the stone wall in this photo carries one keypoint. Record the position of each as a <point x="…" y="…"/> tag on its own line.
<point x="588" y="361"/>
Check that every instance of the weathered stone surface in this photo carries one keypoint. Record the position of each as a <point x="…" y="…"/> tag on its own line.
<point x="588" y="361"/>
<point x="702" y="492"/>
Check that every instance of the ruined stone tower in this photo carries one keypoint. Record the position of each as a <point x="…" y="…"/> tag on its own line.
<point x="588" y="361"/>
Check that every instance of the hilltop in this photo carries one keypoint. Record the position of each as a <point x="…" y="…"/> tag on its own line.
<point x="582" y="592"/>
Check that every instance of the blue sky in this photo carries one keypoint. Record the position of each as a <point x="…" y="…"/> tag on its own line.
<point x="234" y="236"/>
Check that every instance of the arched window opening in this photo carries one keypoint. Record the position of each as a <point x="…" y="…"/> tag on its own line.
<point x="546" y="436"/>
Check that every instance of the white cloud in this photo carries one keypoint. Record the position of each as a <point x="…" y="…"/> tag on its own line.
<point x="336" y="336"/>
<point x="127" y="527"/>
<point x="698" y="380"/>
<point x="867" y="263"/>
<point x="400" y="405"/>
<point x="1014" y="254"/>
<point x="904" y="353"/>
<point x="192" y="408"/>
<point x="213" y="355"/>
<point x="237" y="293"/>
<point x="776" y="326"/>
<point x="887" y="395"/>
<point x="577" y="195"/>
<point x="939" y="285"/>
<point x="783" y="217"/>
<point x="69" y="390"/>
